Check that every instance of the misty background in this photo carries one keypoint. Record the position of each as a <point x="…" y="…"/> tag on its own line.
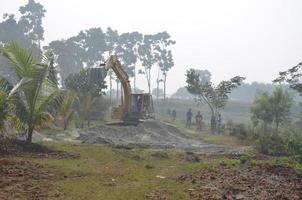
<point x="255" y="39"/>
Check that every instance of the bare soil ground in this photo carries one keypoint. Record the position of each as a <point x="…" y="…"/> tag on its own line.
<point x="23" y="180"/>
<point x="244" y="182"/>
<point x="21" y="148"/>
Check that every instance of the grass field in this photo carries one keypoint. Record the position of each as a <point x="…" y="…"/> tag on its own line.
<point x="78" y="171"/>
<point x="102" y="172"/>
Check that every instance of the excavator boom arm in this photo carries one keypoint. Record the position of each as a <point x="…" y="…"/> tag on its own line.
<point x="114" y="64"/>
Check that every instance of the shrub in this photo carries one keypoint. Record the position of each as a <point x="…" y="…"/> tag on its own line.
<point x="288" y="142"/>
<point x="272" y="144"/>
<point x="240" y="131"/>
<point x="295" y="145"/>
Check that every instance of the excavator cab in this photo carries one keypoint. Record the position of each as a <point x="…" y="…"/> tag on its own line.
<point x="141" y="106"/>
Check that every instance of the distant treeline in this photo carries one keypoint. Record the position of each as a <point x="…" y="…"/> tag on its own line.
<point x="138" y="52"/>
<point x="247" y="92"/>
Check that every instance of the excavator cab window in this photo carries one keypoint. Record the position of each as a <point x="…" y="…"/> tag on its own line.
<point x="136" y="103"/>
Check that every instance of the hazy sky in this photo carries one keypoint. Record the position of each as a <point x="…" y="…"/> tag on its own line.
<point x="251" y="38"/>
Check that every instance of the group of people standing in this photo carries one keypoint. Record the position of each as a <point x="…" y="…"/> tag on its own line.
<point x="198" y="119"/>
<point x="215" y="122"/>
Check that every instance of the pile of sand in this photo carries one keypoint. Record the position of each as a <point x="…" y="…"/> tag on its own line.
<point x="150" y="134"/>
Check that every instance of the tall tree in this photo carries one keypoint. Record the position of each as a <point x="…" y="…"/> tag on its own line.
<point x="26" y="31"/>
<point x="274" y="108"/>
<point x="128" y="52"/>
<point x="215" y="97"/>
<point x="111" y="38"/>
<point x="262" y="111"/>
<point x="68" y="55"/>
<point x="281" y="102"/>
<point x="164" y="57"/>
<point x="31" y="21"/>
<point x="147" y="57"/>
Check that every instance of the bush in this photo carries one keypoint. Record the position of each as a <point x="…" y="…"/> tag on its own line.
<point x="288" y="142"/>
<point x="295" y="145"/>
<point x="272" y="144"/>
<point x="240" y="131"/>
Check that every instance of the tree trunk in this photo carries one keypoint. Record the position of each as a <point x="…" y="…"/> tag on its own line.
<point x="110" y="88"/>
<point x="213" y="122"/>
<point x="117" y="92"/>
<point x="134" y="80"/>
<point x="65" y="125"/>
<point x="149" y="80"/>
<point x="277" y="127"/>
<point x="67" y="120"/>
<point x="30" y="131"/>
<point x="165" y="79"/>
<point x="157" y="86"/>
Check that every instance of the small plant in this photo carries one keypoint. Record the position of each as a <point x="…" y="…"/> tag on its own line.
<point x="245" y="159"/>
<point x="295" y="146"/>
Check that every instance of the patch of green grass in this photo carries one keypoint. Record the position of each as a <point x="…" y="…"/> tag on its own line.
<point x="103" y="172"/>
<point x="106" y="173"/>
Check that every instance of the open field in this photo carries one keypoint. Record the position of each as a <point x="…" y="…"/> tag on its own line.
<point x="60" y="170"/>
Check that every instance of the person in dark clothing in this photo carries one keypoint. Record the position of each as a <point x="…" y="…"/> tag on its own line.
<point x="219" y="120"/>
<point x="213" y="124"/>
<point x="169" y="112"/>
<point x="198" y="119"/>
<point x="173" y="115"/>
<point x="189" y="118"/>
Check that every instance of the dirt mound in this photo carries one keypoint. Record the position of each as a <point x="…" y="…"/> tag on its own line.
<point x="244" y="182"/>
<point x="23" y="148"/>
<point x="150" y="134"/>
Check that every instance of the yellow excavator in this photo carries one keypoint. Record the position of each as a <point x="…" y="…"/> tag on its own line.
<point x="134" y="107"/>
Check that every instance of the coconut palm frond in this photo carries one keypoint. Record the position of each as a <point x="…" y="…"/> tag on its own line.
<point x="21" y="61"/>
<point x="43" y="118"/>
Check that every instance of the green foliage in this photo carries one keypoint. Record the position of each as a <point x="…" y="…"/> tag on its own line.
<point x="245" y="159"/>
<point x="9" y="123"/>
<point x="261" y="110"/>
<point x="292" y="77"/>
<point x="288" y="142"/>
<point x="4" y="109"/>
<point x="272" y="144"/>
<point x="38" y="97"/>
<point x="215" y="97"/>
<point x="31" y="20"/>
<point x="88" y="85"/>
<point x="295" y="145"/>
<point x="205" y="91"/>
<point x="89" y="80"/>
<point x="239" y="130"/>
<point x="65" y="111"/>
<point x="273" y="108"/>
<point x="27" y="31"/>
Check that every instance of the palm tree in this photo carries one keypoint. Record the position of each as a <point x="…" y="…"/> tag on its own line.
<point x="66" y="110"/>
<point x="39" y="95"/>
<point x="7" y="117"/>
